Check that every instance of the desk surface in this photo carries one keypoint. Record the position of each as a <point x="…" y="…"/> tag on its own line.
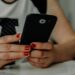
<point x="66" y="68"/>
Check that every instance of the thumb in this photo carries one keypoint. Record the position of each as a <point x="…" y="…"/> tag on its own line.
<point x="41" y="46"/>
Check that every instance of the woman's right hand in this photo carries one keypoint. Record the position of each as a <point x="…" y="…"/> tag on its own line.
<point x="12" y="52"/>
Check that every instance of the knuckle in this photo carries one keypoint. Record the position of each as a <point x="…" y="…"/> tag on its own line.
<point x="11" y="47"/>
<point x="7" y="56"/>
<point x="4" y="56"/>
<point x="8" y="38"/>
<point x="49" y="45"/>
<point x="36" y="60"/>
<point x="8" y="47"/>
<point x="5" y="38"/>
<point x="36" y="53"/>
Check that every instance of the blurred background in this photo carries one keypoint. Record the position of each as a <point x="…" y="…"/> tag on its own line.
<point x="69" y="9"/>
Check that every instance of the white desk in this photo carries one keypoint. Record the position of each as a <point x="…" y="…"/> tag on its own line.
<point x="66" y="68"/>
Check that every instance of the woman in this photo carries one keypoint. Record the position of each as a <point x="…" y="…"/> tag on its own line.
<point x="62" y="34"/>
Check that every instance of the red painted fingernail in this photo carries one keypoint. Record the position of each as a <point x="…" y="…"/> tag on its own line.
<point x="27" y="47"/>
<point x="18" y="35"/>
<point x="26" y="53"/>
<point x="33" y="46"/>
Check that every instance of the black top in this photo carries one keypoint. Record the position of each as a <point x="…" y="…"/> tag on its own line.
<point x="41" y="5"/>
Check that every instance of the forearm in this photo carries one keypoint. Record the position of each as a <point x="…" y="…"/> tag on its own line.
<point x="63" y="30"/>
<point x="65" y="51"/>
<point x="54" y="8"/>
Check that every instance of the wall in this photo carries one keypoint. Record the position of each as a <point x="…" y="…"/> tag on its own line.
<point x="69" y="9"/>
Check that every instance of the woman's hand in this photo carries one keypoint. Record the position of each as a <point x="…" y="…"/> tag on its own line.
<point x="45" y="54"/>
<point x="42" y="55"/>
<point x="12" y="52"/>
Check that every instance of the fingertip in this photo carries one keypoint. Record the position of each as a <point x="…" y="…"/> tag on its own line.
<point x="33" y="45"/>
<point x="26" y="54"/>
<point x="18" y="35"/>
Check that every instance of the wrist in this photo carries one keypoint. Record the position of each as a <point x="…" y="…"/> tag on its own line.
<point x="61" y="54"/>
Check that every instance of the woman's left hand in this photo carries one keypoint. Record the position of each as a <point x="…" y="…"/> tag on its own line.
<point x="42" y="54"/>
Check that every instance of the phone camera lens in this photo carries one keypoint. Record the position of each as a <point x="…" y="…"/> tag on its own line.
<point x="42" y="21"/>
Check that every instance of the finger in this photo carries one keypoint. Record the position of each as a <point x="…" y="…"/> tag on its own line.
<point x="32" y="59"/>
<point x="42" y="63"/>
<point x="12" y="56"/>
<point x="46" y="54"/>
<point x="42" y="46"/>
<point x="36" y="54"/>
<point x="38" y="65"/>
<point x="4" y="63"/>
<point x="14" y="48"/>
<point x="10" y="38"/>
<point x="35" y="64"/>
<point x="40" y="54"/>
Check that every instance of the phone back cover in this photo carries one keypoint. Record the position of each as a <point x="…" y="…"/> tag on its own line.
<point x="38" y="28"/>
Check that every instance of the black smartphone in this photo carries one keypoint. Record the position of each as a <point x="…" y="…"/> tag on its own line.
<point x="37" y="28"/>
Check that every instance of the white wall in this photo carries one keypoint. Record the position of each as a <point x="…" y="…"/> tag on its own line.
<point x="69" y="9"/>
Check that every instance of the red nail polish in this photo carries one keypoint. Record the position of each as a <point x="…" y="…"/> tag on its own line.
<point x="33" y="46"/>
<point x="27" y="47"/>
<point x="26" y="53"/>
<point x="18" y="35"/>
